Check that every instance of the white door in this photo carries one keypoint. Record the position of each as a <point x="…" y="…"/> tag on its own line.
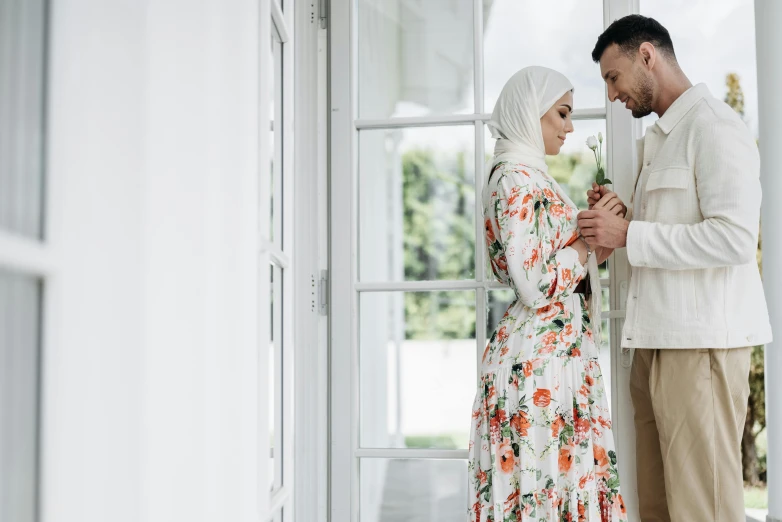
<point x="412" y="83"/>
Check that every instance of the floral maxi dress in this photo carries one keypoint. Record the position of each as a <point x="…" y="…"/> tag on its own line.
<point x="541" y="446"/>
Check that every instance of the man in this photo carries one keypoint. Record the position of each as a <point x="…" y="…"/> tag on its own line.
<point x="696" y="304"/>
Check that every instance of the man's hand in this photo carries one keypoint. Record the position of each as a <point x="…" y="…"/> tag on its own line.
<point x="599" y="197"/>
<point x="601" y="228"/>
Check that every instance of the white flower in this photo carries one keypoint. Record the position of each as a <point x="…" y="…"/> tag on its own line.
<point x="592" y="142"/>
<point x="600" y="137"/>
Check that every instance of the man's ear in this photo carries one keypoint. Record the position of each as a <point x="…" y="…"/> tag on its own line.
<point x="648" y="55"/>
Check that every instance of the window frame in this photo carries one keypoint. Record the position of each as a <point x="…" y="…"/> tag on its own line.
<point x="277" y="252"/>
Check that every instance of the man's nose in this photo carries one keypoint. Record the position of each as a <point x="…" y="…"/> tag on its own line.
<point x="613" y="94"/>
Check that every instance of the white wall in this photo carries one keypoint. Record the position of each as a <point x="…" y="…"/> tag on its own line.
<point x="151" y="399"/>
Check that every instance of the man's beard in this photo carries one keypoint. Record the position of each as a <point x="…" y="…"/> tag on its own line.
<point x="643" y="98"/>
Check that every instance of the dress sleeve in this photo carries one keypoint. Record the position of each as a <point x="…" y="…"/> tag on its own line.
<point x="529" y="225"/>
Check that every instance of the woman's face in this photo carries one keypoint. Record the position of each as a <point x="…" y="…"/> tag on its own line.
<point x="556" y="124"/>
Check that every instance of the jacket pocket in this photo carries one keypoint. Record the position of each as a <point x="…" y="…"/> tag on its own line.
<point x="669" y="178"/>
<point x="670" y="196"/>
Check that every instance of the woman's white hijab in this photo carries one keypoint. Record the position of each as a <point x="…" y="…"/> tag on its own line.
<point x="515" y="124"/>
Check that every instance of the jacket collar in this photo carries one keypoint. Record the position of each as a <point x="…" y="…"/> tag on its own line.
<point x="682" y="106"/>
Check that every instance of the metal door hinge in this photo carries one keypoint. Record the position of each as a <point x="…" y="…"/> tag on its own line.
<point x="323" y="292"/>
<point x="323" y="7"/>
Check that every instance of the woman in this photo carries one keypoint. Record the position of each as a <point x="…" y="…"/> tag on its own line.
<point x="541" y="443"/>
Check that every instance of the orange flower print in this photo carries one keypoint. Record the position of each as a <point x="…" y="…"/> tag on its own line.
<point x="547" y="313"/>
<point x="507" y="458"/>
<point x="532" y="259"/>
<point x="601" y="463"/>
<point x="502" y="334"/>
<point x="490" y="238"/>
<point x="581" y="427"/>
<point x="583" y="482"/>
<point x="520" y="423"/>
<point x="601" y="457"/>
<point x="526" y="200"/>
<point x="504" y="351"/>
<point x="565" y="459"/>
<point x="547" y="349"/>
<point x="549" y="338"/>
<point x="512" y="500"/>
<point x="556" y="211"/>
<point x="524" y="215"/>
<point x="621" y="503"/>
<point x="541" y="398"/>
<point x="567" y="276"/>
<point x="550" y="195"/>
<point x="492" y="393"/>
<point x="527" y="368"/>
<point x="589" y="380"/>
<point x="556" y="426"/>
<point x="476" y="508"/>
<point x="581" y="511"/>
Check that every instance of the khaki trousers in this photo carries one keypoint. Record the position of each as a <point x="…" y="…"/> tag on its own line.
<point x="690" y="408"/>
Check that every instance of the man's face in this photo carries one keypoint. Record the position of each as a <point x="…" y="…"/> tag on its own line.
<point x="627" y="80"/>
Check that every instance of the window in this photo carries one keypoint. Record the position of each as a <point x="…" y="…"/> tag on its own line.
<point x="26" y="260"/>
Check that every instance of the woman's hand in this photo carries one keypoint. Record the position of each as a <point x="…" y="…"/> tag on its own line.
<point x="579" y="246"/>
<point x="602" y="198"/>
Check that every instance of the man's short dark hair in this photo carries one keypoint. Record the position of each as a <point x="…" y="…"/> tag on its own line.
<point x="630" y="32"/>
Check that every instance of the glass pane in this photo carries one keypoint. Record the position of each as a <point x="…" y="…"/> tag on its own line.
<point x="559" y="35"/>
<point x="272" y="383"/>
<point x="417" y="204"/>
<point x="415" y="58"/>
<point x="20" y="326"/>
<point x="22" y="126"/>
<point x="417" y="364"/>
<point x="401" y="490"/>
<point x="698" y="45"/>
<point x="275" y="193"/>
